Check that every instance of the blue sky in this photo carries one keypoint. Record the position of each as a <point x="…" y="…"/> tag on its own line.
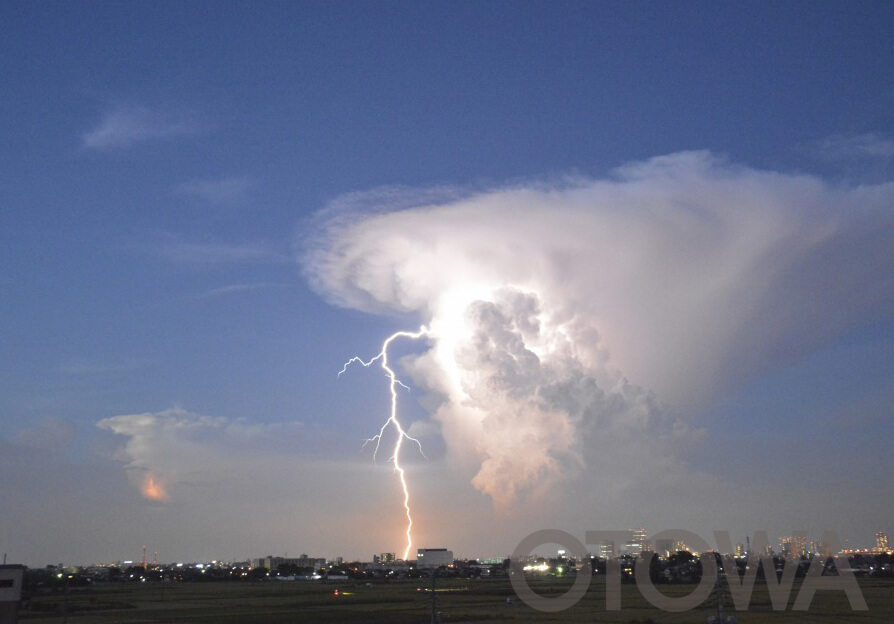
<point x="208" y="207"/>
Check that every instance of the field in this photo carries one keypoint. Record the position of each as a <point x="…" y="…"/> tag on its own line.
<point x="410" y="601"/>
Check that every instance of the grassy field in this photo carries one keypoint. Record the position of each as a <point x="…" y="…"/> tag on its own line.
<point x="409" y="601"/>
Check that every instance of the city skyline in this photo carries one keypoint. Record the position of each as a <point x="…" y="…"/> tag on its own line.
<point x="651" y="248"/>
<point x="640" y="540"/>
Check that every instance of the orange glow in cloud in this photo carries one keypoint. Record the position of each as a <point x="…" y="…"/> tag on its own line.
<point x="153" y="489"/>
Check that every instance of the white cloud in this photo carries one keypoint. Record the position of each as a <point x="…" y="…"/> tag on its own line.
<point x="570" y="321"/>
<point x="125" y="125"/>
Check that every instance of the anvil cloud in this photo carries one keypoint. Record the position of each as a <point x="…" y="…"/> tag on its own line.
<point x="563" y="313"/>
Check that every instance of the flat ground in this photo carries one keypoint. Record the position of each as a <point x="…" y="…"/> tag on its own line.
<point x="409" y="601"/>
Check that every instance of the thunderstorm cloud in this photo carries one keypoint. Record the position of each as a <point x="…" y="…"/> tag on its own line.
<point x="197" y="467"/>
<point x="573" y="319"/>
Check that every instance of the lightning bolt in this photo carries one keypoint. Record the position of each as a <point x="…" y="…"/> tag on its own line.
<point x="393" y="383"/>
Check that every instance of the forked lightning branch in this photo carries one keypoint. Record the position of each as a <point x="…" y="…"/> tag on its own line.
<point x="393" y="421"/>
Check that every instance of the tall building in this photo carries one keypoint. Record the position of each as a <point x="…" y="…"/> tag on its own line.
<point x="606" y="549"/>
<point x="665" y="547"/>
<point x="642" y="537"/>
<point x="800" y="541"/>
<point x="794" y="545"/>
<point x="785" y="545"/>
<point x="638" y="542"/>
<point x="881" y="541"/>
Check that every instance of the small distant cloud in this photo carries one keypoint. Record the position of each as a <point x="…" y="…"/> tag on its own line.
<point x="206" y="251"/>
<point x="86" y="367"/>
<point x="124" y="126"/>
<point x="855" y="147"/>
<point x="216" y="253"/>
<point x="232" y="289"/>
<point x="220" y="192"/>
<point x="180" y="250"/>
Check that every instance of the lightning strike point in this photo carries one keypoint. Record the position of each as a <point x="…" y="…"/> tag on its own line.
<point x="393" y="421"/>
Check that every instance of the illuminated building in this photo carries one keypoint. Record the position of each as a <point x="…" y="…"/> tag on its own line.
<point x="272" y="563"/>
<point x="794" y="545"/>
<point x="433" y="557"/>
<point x="665" y="547"/>
<point x="638" y="542"/>
<point x="800" y="542"/>
<point x="881" y="541"/>
<point x="606" y="549"/>
<point x="642" y="538"/>
<point x="785" y="545"/>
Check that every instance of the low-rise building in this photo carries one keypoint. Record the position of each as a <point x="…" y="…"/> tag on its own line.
<point x="433" y="557"/>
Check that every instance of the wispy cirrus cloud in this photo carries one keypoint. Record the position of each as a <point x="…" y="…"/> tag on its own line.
<point x="124" y="126"/>
<point x="219" y="253"/>
<point x="88" y="367"/>
<point x="224" y="191"/>
<point x="209" y="253"/>
<point x="232" y="289"/>
<point x="855" y="147"/>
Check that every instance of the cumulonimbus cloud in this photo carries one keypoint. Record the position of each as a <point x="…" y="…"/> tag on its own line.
<point x="172" y="448"/>
<point x="202" y="468"/>
<point x="570" y="311"/>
